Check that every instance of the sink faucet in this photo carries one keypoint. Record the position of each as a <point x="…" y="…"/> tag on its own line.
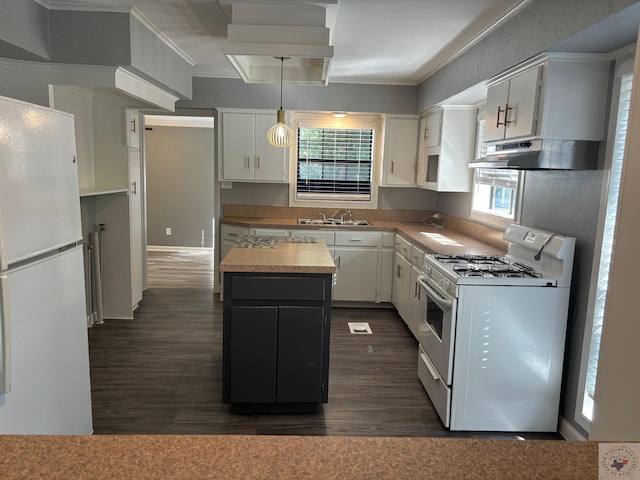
<point x="341" y="213"/>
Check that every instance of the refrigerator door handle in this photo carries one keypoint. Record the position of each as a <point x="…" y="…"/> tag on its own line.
<point x="5" y="338"/>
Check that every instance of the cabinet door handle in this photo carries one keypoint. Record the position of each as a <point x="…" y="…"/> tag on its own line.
<point x="398" y="271"/>
<point x="257" y="161"/>
<point x="338" y="261"/>
<point x="392" y="162"/>
<point x="416" y="291"/>
<point x="506" y="110"/>
<point x="247" y="160"/>
<point x="133" y="125"/>
<point x="426" y="134"/>
<point x="134" y="190"/>
<point x="498" y="117"/>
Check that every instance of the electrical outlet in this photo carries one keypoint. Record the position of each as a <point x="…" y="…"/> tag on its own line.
<point x="167" y="230"/>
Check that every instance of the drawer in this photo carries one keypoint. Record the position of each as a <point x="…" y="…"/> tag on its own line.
<point x="403" y="246"/>
<point x="232" y="232"/>
<point x="417" y="256"/>
<point x="326" y="235"/>
<point x="273" y="287"/>
<point x="439" y="393"/>
<point x="270" y="231"/>
<point x="358" y="239"/>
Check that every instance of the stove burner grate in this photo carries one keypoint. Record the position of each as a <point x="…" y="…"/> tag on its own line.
<point x="473" y="259"/>
<point x="513" y="271"/>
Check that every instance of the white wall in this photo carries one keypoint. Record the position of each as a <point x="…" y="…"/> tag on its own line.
<point x="24" y="26"/>
<point x="79" y="102"/>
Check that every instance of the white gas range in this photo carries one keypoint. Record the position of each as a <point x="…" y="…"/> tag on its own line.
<point x="492" y="340"/>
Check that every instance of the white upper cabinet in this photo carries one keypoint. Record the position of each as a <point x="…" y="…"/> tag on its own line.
<point x="553" y="96"/>
<point x="246" y="153"/>
<point x="430" y="131"/>
<point x="132" y="123"/>
<point x="400" y="151"/>
<point x="512" y="107"/>
<point x="444" y="167"/>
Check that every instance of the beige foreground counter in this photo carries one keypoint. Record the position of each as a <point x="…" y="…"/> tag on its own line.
<point x="231" y="457"/>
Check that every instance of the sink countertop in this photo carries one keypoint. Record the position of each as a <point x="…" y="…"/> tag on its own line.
<point x="283" y="258"/>
<point x="283" y="457"/>
<point x="445" y="240"/>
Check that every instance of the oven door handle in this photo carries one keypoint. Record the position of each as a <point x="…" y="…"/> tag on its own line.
<point x="435" y="296"/>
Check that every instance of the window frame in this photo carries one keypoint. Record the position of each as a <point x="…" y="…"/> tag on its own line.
<point x="487" y="218"/>
<point x="326" y="120"/>
<point x="624" y="66"/>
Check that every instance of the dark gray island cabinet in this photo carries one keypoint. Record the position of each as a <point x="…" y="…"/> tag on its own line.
<point x="276" y="327"/>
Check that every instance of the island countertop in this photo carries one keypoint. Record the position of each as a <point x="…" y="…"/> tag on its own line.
<point x="283" y="258"/>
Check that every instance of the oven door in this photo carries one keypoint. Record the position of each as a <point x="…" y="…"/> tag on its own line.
<point x="437" y="329"/>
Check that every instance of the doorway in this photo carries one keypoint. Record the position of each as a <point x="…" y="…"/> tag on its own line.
<point x="180" y="189"/>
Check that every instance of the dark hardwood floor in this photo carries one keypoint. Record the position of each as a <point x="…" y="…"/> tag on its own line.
<point x="161" y="373"/>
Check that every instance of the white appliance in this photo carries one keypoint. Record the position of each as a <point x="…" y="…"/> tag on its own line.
<point x="492" y="341"/>
<point x="44" y="355"/>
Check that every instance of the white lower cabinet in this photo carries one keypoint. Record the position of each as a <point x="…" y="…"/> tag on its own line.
<point x="228" y="236"/>
<point x="401" y="285"/>
<point x="356" y="256"/>
<point x="356" y="278"/>
<point x="385" y="265"/>
<point x="417" y="303"/>
<point x="407" y="294"/>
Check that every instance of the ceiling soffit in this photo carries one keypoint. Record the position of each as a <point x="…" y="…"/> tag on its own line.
<point x="259" y="34"/>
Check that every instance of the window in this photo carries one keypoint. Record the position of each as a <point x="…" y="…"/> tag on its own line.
<point x="495" y="191"/>
<point x="598" y="295"/>
<point x="334" y="160"/>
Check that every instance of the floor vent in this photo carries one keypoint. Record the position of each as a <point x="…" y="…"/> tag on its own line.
<point x="359" y="328"/>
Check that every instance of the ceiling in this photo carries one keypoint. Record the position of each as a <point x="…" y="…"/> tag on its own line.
<point x="397" y="42"/>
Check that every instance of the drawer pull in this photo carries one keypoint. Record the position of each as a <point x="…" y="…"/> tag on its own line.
<point x="427" y="364"/>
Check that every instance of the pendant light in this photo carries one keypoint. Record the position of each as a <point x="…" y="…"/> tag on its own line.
<point x="280" y="135"/>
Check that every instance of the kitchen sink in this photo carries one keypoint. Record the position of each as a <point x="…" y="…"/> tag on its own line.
<point x="333" y="222"/>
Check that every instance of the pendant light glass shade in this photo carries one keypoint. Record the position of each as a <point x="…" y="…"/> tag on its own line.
<point x="280" y="135"/>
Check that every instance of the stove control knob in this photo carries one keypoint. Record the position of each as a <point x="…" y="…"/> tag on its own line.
<point x="426" y="269"/>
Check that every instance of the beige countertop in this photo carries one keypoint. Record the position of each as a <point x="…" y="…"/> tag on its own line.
<point x="468" y="238"/>
<point x="284" y="258"/>
<point x="264" y="457"/>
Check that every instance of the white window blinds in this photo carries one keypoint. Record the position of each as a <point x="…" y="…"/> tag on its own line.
<point x="334" y="163"/>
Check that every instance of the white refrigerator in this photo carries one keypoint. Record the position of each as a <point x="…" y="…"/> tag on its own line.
<point x="44" y="354"/>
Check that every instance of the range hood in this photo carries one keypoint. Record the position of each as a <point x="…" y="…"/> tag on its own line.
<point x="541" y="154"/>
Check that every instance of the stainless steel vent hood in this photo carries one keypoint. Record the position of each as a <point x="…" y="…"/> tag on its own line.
<point x="541" y="154"/>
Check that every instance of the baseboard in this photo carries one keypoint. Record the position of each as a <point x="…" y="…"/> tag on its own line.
<point x="177" y="248"/>
<point x="569" y="432"/>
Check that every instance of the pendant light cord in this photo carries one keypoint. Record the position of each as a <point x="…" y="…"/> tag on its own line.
<point x="281" y="76"/>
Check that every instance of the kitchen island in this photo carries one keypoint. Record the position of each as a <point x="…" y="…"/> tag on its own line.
<point x="276" y="324"/>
